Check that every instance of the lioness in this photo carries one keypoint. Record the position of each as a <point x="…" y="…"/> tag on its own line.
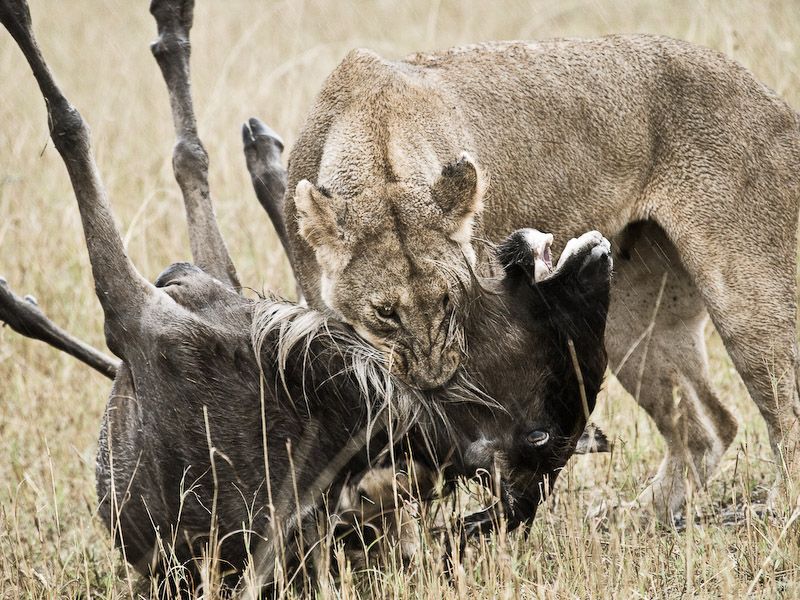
<point x="679" y="152"/>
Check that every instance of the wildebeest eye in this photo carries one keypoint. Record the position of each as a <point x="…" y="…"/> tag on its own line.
<point x="537" y="438"/>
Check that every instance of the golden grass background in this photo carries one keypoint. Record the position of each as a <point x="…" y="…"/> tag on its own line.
<point x="267" y="59"/>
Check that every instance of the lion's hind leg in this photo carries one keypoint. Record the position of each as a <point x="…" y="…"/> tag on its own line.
<point x="657" y="351"/>
<point x="750" y="291"/>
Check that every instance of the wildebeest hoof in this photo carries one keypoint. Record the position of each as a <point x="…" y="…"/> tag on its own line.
<point x="592" y="242"/>
<point x="259" y="137"/>
<point x="594" y="252"/>
<point x="529" y="249"/>
<point x="593" y="441"/>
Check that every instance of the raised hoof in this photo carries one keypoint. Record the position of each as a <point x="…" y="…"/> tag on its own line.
<point x="22" y="314"/>
<point x="528" y="249"/>
<point x="591" y="242"/>
<point x="255" y="133"/>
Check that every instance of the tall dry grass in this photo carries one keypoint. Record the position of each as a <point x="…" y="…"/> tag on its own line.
<point x="267" y="59"/>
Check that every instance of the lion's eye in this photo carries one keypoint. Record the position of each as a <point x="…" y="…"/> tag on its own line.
<point x="537" y="438"/>
<point x="387" y="312"/>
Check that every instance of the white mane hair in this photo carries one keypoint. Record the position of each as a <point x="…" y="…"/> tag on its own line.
<point x="280" y="328"/>
<point x="287" y="328"/>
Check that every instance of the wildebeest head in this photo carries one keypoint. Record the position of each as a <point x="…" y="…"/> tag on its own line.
<point x="536" y="347"/>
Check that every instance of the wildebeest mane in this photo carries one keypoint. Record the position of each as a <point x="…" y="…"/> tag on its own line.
<point x="283" y="332"/>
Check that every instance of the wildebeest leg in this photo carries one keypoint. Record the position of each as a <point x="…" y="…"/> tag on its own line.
<point x="189" y="158"/>
<point x="122" y="291"/>
<point x="25" y="317"/>
<point x="658" y="353"/>
<point x="262" y="151"/>
<point x="191" y="167"/>
<point x="293" y="514"/>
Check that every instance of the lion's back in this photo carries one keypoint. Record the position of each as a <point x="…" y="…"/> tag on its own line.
<point x="573" y="134"/>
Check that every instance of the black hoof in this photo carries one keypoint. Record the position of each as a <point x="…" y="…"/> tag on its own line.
<point x="254" y="131"/>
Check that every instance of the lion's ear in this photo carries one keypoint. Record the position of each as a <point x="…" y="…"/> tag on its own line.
<point x="459" y="193"/>
<point x="320" y="220"/>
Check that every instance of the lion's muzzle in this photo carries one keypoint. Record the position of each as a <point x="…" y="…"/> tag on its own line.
<point x="431" y="369"/>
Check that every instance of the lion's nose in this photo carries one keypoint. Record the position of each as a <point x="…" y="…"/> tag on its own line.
<point x="434" y="370"/>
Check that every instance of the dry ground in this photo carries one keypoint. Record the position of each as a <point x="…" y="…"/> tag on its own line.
<point x="267" y="59"/>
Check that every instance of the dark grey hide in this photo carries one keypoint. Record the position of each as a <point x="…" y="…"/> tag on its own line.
<point x="190" y="382"/>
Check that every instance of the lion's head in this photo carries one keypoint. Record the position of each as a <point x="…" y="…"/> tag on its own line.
<point x="394" y="258"/>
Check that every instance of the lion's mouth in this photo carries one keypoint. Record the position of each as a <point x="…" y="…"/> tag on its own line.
<point x="396" y="362"/>
<point x="422" y="372"/>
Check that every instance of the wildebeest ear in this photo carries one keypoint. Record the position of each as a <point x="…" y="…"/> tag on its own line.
<point x="527" y="252"/>
<point x="320" y="220"/>
<point x="459" y="194"/>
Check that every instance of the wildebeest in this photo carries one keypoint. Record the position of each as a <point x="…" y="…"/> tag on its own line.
<point x="234" y="427"/>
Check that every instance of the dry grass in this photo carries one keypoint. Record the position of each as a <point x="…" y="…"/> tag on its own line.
<point x="267" y="59"/>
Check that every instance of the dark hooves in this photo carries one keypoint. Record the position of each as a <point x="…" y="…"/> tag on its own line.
<point x="592" y="441"/>
<point x="255" y="128"/>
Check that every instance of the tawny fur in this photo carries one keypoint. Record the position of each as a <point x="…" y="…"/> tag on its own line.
<point x="568" y="135"/>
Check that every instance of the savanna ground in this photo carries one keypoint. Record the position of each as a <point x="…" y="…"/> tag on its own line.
<point x="267" y="59"/>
